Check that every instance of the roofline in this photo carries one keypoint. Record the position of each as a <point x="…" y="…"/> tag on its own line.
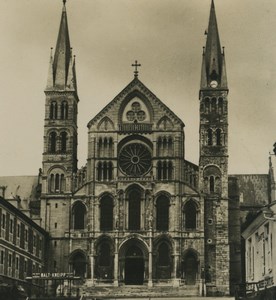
<point x="22" y="215"/>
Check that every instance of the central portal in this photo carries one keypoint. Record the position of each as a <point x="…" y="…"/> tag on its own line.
<point x="134" y="266"/>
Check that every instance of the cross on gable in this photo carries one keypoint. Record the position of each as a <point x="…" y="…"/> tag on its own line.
<point x="136" y="65"/>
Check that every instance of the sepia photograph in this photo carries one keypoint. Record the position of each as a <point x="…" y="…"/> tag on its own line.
<point x="138" y="149"/>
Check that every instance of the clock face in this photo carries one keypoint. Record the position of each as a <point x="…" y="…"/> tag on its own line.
<point x="135" y="159"/>
<point x="214" y="84"/>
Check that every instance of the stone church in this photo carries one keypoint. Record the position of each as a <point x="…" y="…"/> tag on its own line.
<point x="139" y="213"/>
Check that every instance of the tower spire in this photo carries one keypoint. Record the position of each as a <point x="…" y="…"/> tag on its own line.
<point x="214" y="64"/>
<point x="62" y="55"/>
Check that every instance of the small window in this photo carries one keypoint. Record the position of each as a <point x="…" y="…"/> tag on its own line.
<point x="18" y="230"/>
<point x="11" y="226"/>
<point x="212" y="183"/>
<point x="56" y="205"/>
<point x="2" y="258"/>
<point x="55" y="225"/>
<point x="10" y="260"/>
<point x="3" y="221"/>
<point x="190" y="215"/>
<point x="17" y="263"/>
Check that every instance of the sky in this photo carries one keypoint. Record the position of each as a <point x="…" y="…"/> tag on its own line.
<point x="166" y="37"/>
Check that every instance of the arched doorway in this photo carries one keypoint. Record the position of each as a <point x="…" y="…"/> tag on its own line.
<point x="134" y="266"/>
<point x="190" y="268"/>
<point x="78" y="264"/>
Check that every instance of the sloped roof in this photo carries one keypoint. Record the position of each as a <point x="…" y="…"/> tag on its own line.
<point x="23" y="186"/>
<point x="253" y="189"/>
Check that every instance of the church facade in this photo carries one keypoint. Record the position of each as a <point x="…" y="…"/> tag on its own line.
<point x="139" y="213"/>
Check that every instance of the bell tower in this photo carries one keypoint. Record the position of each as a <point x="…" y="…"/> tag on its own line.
<point x="60" y="125"/>
<point x="213" y="162"/>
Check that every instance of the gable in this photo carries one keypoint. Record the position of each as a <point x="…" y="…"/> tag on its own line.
<point x="137" y="104"/>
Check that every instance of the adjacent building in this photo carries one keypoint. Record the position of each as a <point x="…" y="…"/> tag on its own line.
<point x="22" y="246"/>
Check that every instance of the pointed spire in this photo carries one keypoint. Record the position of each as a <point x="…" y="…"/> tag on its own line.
<point x="62" y="53"/>
<point x="214" y="68"/>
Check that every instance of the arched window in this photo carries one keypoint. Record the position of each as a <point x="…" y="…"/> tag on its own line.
<point x="105" y="172"/>
<point x="214" y="105"/>
<point x="100" y="147"/>
<point x="212" y="183"/>
<point x="62" y="183"/>
<point x="64" y="110"/>
<point x="53" y="142"/>
<point x="79" y="215"/>
<point x="170" y="170"/>
<point x="52" y="183"/>
<point x="210" y="137"/>
<point x="165" y="170"/>
<point x="218" y="137"/>
<point x="110" y="142"/>
<point x="159" y="170"/>
<point x="110" y="170"/>
<point x="53" y="110"/>
<point x="106" y="214"/>
<point x="170" y="146"/>
<point x="220" y="105"/>
<point x="163" y="255"/>
<point x="207" y="105"/>
<point x="104" y="255"/>
<point x="63" y="142"/>
<point x="57" y="183"/>
<point x="162" y="213"/>
<point x="134" y="210"/>
<point x="190" y="214"/>
<point x="99" y="171"/>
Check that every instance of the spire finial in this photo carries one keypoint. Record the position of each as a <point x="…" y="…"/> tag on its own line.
<point x="64" y="2"/>
<point x="136" y="65"/>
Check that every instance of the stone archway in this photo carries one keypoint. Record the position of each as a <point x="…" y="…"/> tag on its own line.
<point x="190" y="266"/>
<point x="134" y="266"/>
<point x="133" y="262"/>
<point x="78" y="264"/>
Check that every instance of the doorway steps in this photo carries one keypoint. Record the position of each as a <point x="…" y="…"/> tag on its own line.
<point x="128" y="291"/>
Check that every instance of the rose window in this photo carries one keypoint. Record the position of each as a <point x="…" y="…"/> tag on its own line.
<point x="136" y="113"/>
<point x="135" y="159"/>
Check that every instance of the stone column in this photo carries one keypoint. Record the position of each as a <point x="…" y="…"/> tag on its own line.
<point x="116" y="263"/>
<point x="150" y="259"/>
<point x="91" y="256"/>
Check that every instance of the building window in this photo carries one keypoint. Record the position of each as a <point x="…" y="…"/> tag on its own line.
<point x="106" y="214"/>
<point x="162" y="213"/>
<point x="163" y="255"/>
<point x="212" y="184"/>
<point x="64" y="110"/>
<point x="207" y="105"/>
<point x="55" y="225"/>
<point x="18" y="231"/>
<point x="2" y="258"/>
<point x="104" y="258"/>
<point x="190" y="215"/>
<point x="11" y="226"/>
<point x="218" y="137"/>
<point x="56" y="205"/>
<point x="79" y="215"/>
<point x="164" y="170"/>
<point x="53" y="142"/>
<point x="3" y="221"/>
<point x="105" y="171"/>
<point x="53" y="110"/>
<point x="63" y="141"/>
<point x="220" y="105"/>
<point x="17" y="263"/>
<point x="57" y="183"/>
<point x="210" y="137"/>
<point x="10" y="261"/>
<point x="134" y="210"/>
